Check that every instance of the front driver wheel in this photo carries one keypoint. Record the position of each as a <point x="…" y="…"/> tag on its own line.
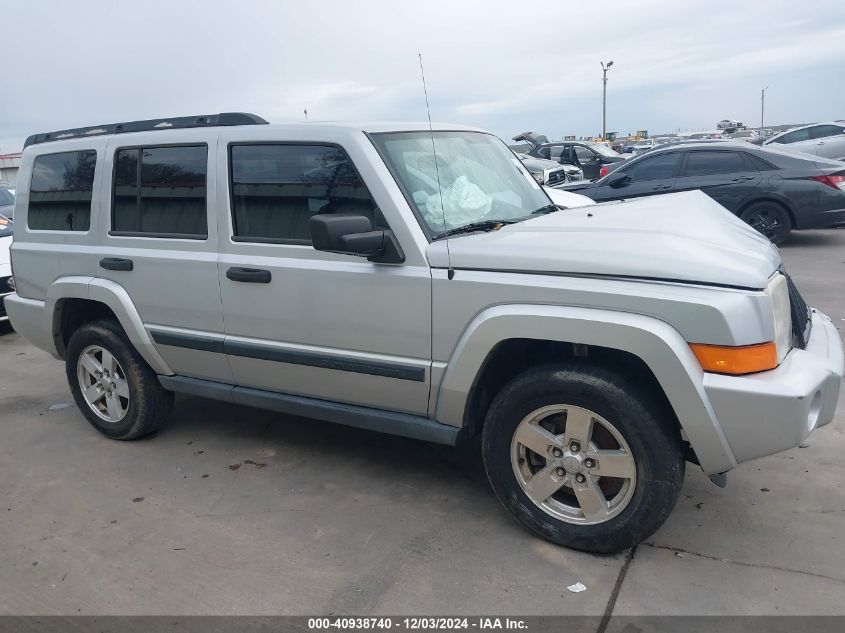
<point x="581" y="457"/>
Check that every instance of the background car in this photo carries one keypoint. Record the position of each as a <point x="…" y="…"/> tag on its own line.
<point x="550" y="173"/>
<point x="6" y="286"/>
<point x="568" y="199"/>
<point x="637" y="147"/>
<point x="7" y="200"/>
<point x="774" y="191"/>
<point x="819" y="139"/>
<point x="588" y="156"/>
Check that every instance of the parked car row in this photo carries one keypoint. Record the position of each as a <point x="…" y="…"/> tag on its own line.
<point x="773" y="190"/>
<point x="589" y="157"/>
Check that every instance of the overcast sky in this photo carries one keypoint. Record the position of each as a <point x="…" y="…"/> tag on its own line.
<point x="507" y="66"/>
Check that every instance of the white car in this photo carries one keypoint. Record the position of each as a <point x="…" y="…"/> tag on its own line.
<point x="568" y="199"/>
<point x="6" y="286"/>
<point x="820" y="139"/>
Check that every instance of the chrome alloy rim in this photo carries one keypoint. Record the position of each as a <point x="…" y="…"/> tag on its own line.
<point x="103" y="383"/>
<point x="573" y="464"/>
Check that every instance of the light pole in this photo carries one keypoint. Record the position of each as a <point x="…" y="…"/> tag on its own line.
<point x="763" y="104"/>
<point x="604" y="99"/>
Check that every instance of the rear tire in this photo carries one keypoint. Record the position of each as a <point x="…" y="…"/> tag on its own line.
<point x="530" y="435"/>
<point x="769" y="218"/>
<point x="115" y="389"/>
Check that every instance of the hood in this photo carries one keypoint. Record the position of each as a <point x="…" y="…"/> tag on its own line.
<point x="685" y="237"/>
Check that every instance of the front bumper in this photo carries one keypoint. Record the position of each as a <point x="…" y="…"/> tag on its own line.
<point x="766" y="413"/>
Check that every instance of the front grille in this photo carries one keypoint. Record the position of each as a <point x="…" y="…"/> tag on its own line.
<point x="557" y="177"/>
<point x="800" y="312"/>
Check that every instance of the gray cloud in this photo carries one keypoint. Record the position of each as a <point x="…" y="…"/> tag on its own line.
<point x="506" y="66"/>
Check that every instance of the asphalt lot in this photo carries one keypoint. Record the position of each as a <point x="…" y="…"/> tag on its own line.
<point x="238" y="511"/>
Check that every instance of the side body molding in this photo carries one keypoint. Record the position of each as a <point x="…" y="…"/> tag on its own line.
<point x="655" y="342"/>
<point x="117" y="299"/>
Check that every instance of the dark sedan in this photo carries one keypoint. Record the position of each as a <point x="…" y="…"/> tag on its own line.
<point x="774" y="191"/>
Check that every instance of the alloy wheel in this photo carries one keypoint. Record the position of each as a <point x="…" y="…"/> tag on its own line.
<point x="574" y="464"/>
<point x="103" y="383"/>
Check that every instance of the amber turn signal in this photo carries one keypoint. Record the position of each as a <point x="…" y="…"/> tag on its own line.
<point x="747" y="359"/>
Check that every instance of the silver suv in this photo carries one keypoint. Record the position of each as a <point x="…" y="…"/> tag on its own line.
<point x="418" y="282"/>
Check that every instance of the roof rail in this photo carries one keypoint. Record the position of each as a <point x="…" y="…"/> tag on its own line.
<point x="205" y="120"/>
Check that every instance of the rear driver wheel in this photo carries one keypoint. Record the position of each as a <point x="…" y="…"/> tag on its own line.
<point x="114" y="388"/>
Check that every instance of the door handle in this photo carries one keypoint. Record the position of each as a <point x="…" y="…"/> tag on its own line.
<point x="661" y="187"/>
<point x="249" y="275"/>
<point x="743" y="178"/>
<point x="116" y="263"/>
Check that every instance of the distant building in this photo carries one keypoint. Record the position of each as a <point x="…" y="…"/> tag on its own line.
<point x="9" y="165"/>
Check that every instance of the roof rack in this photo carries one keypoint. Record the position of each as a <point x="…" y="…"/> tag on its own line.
<point x="205" y="120"/>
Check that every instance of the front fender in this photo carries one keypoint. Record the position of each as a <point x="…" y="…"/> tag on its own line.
<point x="655" y="342"/>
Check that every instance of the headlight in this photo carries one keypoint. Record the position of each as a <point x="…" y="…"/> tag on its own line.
<point x="778" y="292"/>
<point x="539" y="176"/>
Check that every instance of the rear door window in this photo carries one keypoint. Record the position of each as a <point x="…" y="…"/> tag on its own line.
<point x="823" y="131"/>
<point x="60" y="191"/>
<point x="712" y="163"/>
<point x="160" y="192"/>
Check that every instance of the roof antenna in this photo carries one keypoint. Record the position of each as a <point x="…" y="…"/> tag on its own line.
<point x="450" y="272"/>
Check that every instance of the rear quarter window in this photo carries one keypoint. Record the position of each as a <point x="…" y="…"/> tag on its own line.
<point x="60" y="191"/>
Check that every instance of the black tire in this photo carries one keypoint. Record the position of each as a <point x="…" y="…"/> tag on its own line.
<point x="149" y="404"/>
<point x="651" y="434"/>
<point x="768" y="218"/>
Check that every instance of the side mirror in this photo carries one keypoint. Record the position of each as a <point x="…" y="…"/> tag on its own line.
<point x="617" y="179"/>
<point x="354" y="235"/>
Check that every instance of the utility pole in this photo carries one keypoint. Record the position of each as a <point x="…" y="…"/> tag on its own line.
<point x="763" y="105"/>
<point x="604" y="99"/>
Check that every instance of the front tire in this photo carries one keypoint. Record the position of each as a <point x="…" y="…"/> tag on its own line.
<point x="581" y="457"/>
<point x="114" y="388"/>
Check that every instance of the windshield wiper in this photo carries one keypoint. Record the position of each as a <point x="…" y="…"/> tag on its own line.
<point x="482" y="225"/>
<point x="549" y="208"/>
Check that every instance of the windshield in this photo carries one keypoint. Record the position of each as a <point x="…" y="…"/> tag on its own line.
<point x="604" y="150"/>
<point x="477" y="178"/>
<point x="6" y="197"/>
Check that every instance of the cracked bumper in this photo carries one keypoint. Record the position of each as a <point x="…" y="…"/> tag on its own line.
<point x="766" y="413"/>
